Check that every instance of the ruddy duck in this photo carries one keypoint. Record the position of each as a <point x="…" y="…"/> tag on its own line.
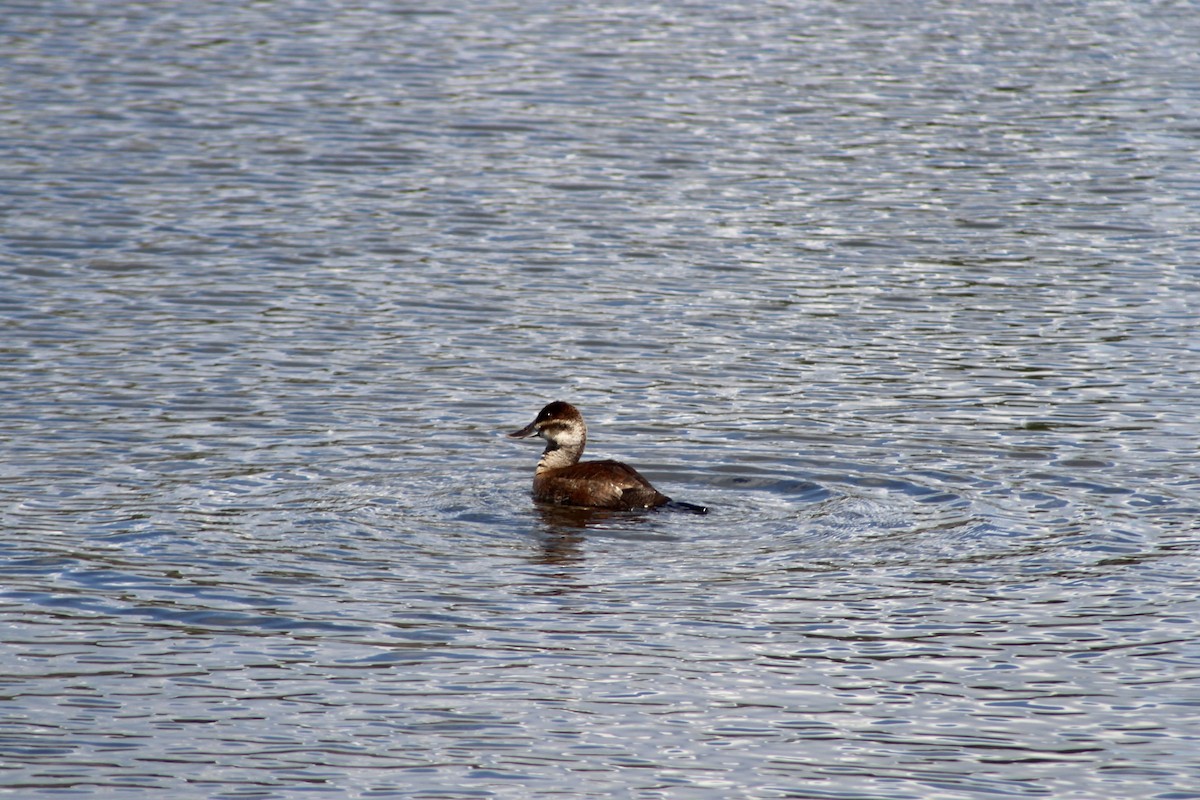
<point x="562" y="480"/>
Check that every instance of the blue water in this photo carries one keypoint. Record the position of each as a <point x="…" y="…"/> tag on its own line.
<point x="906" y="294"/>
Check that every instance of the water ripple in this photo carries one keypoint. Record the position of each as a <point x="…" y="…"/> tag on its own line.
<point x="910" y="306"/>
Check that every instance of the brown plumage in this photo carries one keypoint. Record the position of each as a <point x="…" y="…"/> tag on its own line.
<point x="599" y="484"/>
<point x="561" y="479"/>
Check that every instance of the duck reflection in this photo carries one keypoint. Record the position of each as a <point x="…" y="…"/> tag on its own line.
<point x="562" y="529"/>
<point x="560" y="519"/>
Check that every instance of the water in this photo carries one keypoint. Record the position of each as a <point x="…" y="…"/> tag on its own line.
<point x="906" y="293"/>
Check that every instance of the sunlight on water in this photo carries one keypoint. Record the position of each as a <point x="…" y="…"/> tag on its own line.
<point x="907" y="301"/>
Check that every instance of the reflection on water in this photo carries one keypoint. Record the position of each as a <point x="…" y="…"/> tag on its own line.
<point x="909" y="303"/>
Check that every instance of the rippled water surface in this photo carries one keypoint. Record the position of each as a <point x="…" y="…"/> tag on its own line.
<point x="905" y="292"/>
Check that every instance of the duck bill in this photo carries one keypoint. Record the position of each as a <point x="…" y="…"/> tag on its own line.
<point x="526" y="432"/>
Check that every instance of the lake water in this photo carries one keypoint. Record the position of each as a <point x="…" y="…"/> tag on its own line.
<point x="907" y="293"/>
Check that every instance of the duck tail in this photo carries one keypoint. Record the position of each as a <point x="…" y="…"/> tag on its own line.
<point x="691" y="508"/>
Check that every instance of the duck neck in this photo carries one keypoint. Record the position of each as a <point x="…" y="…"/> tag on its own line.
<point x="557" y="455"/>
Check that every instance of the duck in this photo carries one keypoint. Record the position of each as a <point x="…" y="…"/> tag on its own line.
<point x="562" y="479"/>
